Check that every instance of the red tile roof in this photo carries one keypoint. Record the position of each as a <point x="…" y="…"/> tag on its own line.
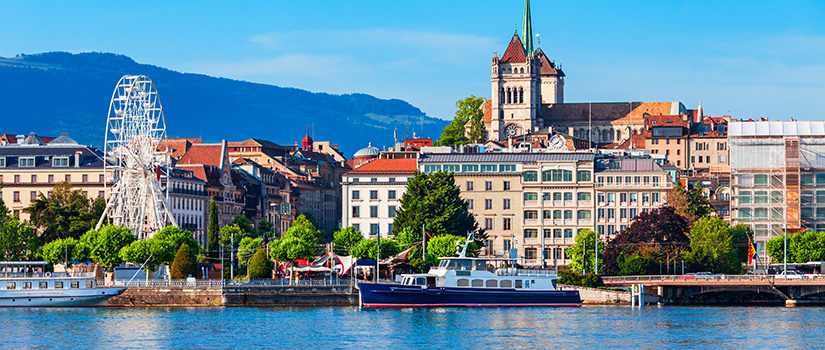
<point x="602" y="111"/>
<point x="387" y="166"/>
<point x="209" y="174"/>
<point x="515" y="51"/>
<point x="664" y="120"/>
<point x="488" y="111"/>
<point x="547" y="68"/>
<point x="637" y="141"/>
<point x="177" y="147"/>
<point x="209" y="154"/>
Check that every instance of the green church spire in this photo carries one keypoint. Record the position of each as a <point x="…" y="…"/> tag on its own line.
<point x="527" y="32"/>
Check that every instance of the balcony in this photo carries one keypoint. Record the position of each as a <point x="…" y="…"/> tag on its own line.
<point x="190" y="192"/>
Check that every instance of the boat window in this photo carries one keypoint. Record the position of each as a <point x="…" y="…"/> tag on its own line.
<point x="480" y="265"/>
<point x="463" y="282"/>
<point x="11" y="285"/>
<point x="75" y="284"/>
<point x="421" y="281"/>
<point x="431" y="281"/>
<point x="527" y="283"/>
<point x="90" y="284"/>
<point x="506" y="284"/>
<point x="27" y="285"/>
<point x="478" y="283"/>
<point x="518" y="284"/>
<point x="443" y="264"/>
<point x="59" y="285"/>
<point x="44" y="285"/>
<point x="462" y="264"/>
<point x="493" y="283"/>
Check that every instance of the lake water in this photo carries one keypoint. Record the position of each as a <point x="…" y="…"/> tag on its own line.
<point x="589" y="327"/>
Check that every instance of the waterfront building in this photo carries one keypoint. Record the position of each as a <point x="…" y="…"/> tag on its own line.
<point x="31" y="166"/>
<point x="777" y="177"/>
<point x="188" y="201"/>
<point x="267" y="194"/>
<point x="372" y="194"/>
<point x="210" y="164"/>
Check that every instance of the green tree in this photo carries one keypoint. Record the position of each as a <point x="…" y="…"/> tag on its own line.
<point x="177" y="236"/>
<point x="641" y="263"/>
<point x="586" y="239"/>
<point x="17" y="240"/>
<point x="367" y="249"/>
<point x="434" y="199"/>
<point x="346" y="238"/>
<point x="60" y="250"/>
<point x="468" y="109"/>
<point x="802" y="247"/>
<point x="247" y="248"/>
<point x="4" y="211"/>
<point x="184" y="264"/>
<point x="231" y="235"/>
<point x="212" y="231"/>
<point x="304" y="229"/>
<point x="65" y="213"/>
<point x="714" y="247"/>
<point x="690" y="204"/>
<point x="265" y="228"/>
<point x="443" y="246"/>
<point x="153" y="252"/>
<point x="659" y="234"/>
<point x="105" y="245"/>
<point x="289" y="249"/>
<point x="245" y="225"/>
<point x="260" y="266"/>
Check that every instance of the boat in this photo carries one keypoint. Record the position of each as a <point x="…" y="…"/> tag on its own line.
<point x="470" y="281"/>
<point x="27" y="283"/>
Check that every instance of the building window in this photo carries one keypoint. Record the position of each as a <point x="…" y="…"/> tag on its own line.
<point x="506" y="185"/>
<point x="469" y="185"/>
<point x="432" y="168"/>
<point x="531" y="196"/>
<point x="531" y="214"/>
<point x="356" y="195"/>
<point x="507" y="224"/>
<point x="374" y="230"/>
<point x="51" y="178"/>
<point x="392" y="179"/>
<point x="557" y="175"/>
<point x="531" y="176"/>
<point x="488" y="204"/>
<point x="488" y="223"/>
<point x="375" y="179"/>
<point x="583" y="175"/>
<point x="68" y="178"/>
<point x="531" y="233"/>
<point x="584" y="214"/>
<point x="26" y="162"/>
<point x="556" y="214"/>
<point x="356" y="212"/>
<point x="85" y="194"/>
<point x="60" y="162"/>
<point x="33" y="195"/>
<point x="16" y="178"/>
<point x="2" y="162"/>
<point x="623" y="214"/>
<point x="391" y="211"/>
<point x="568" y="214"/>
<point x="488" y="168"/>
<point x="17" y="196"/>
<point x="374" y="194"/>
<point x="655" y="197"/>
<point x="391" y="194"/>
<point x="506" y="203"/>
<point x="488" y="185"/>
<point x="373" y="211"/>
<point x="469" y="168"/>
<point x="583" y="196"/>
<point x="357" y="227"/>
<point x="85" y="178"/>
<point x="34" y="178"/>
<point x="529" y="253"/>
<point x="469" y="204"/>
<point x="557" y="196"/>
<point x="568" y="233"/>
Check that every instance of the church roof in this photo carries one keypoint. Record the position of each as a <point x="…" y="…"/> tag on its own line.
<point x="604" y="111"/>
<point x="515" y="51"/>
<point x="548" y="68"/>
<point x="205" y="153"/>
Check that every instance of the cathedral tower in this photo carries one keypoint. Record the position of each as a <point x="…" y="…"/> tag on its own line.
<point x="516" y="95"/>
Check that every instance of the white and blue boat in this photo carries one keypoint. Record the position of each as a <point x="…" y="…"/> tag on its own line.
<point x="26" y="283"/>
<point x="468" y="281"/>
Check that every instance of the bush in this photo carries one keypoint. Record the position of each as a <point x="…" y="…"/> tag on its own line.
<point x="184" y="264"/>
<point x="574" y="278"/>
<point x="260" y="266"/>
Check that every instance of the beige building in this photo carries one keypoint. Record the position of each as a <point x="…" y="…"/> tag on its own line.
<point x="372" y="195"/>
<point x="30" y="167"/>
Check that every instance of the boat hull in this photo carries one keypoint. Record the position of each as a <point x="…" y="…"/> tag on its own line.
<point x="80" y="297"/>
<point x="396" y="295"/>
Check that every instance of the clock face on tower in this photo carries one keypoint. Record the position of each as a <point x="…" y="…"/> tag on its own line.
<point x="557" y="141"/>
<point x="510" y="130"/>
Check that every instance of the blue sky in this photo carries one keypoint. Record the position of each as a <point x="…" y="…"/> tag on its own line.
<point x="744" y="58"/>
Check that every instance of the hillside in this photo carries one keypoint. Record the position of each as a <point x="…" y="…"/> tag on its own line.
<point x="57" y="92"/>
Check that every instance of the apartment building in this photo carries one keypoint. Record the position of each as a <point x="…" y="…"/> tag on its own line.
<point x="372" y="195"/>
<point x="30" y="167"/>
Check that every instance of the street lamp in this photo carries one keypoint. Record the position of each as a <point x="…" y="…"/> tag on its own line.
<point x="785" y="268"/>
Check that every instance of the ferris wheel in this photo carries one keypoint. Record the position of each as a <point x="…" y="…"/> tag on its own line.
<point x="134" y="129"/>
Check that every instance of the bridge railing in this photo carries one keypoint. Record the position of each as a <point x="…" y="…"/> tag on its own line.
<point x="707" y="278"/>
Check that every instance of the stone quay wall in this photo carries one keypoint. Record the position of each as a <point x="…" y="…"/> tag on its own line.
<point x="168" y="296"/>
<point x="598" y="296"/>
<point x="214" y="296"/>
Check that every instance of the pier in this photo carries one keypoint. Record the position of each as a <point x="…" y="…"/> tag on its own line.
<point x="729" y="289"/>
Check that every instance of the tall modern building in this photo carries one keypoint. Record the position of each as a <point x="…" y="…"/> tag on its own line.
<point x="777" y="177"/>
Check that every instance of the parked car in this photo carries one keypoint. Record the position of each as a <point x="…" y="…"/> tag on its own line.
<point x="704" y="274"/>
<point x="687" y="276"/>
<point x="790" y="274"/>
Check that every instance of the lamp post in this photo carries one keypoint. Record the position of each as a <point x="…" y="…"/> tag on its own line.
<point x="785" y="260"/>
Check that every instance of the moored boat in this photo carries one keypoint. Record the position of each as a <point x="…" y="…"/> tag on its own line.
<point x="26" y="283"/>
<point x="468" y="281"/>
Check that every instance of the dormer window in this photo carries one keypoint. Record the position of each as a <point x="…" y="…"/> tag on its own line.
<point x="26" y="162"/>
<point x="2" y="162"/>
<point x="61" y="162"/>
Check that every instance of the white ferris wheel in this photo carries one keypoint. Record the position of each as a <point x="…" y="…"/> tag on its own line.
<point x="134" y="129"/>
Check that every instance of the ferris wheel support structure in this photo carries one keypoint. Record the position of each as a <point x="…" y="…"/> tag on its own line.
<point x="135" y="127"/>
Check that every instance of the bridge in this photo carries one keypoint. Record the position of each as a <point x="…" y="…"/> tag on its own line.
<point x="728" y="289"/>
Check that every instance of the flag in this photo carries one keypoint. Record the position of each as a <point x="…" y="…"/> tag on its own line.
<point x="751" y="251"/>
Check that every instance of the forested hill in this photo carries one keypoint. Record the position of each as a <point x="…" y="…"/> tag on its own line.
<point x="56" y="92"/>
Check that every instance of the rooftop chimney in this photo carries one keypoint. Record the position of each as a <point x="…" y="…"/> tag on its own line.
<point x="77" y="159"/>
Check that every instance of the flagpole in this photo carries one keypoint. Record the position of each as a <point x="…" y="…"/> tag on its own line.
<point x="424" y="245"/>
<point x="378" y="257"/>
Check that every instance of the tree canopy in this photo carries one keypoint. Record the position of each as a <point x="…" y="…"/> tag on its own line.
<point x="297" y="243"/>
<point x="184" y="264"/>
<point x="468" y="109"/>
<point x="717" y="247"/>
<point x="690" y="204"/>
<point x="259" y="265"/>
<point x="60" y="250"/>
<point x="802" y="247"/>
<point x="345" y="239"/>
<point x="213" y="231"/>
<point x="140" y="251"/>
<point x="657" y="235"/>
<point x="64" y="213"/>
<point x="104" y="246"/>
<point x="434" y="199"/>
<point x="579" y="258"/>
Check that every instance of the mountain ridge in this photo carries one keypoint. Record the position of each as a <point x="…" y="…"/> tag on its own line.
<point x="55" y="92"/>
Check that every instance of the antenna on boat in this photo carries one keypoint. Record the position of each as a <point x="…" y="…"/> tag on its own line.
<point x="460" y="249"/>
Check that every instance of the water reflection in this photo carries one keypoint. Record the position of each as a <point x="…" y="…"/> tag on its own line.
<point x="445" y="328"/>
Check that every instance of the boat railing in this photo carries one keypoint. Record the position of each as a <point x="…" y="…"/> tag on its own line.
<point x="160" y="283"/>
<point x="46" y="275"/>
<point x="511" y="271"/>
